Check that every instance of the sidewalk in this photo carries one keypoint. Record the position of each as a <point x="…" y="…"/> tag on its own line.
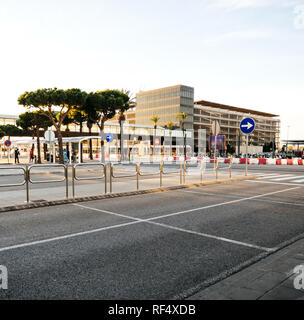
<point x="269" y="279"/>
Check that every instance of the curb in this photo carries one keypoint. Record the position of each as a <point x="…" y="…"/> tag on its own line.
<point x="186" y="295"/>
<point x="43" y="204"/>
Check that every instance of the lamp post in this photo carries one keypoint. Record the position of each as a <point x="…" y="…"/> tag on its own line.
<point x="287" y="140"/>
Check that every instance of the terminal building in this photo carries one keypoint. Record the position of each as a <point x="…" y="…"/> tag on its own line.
<point x="166" y="103"/>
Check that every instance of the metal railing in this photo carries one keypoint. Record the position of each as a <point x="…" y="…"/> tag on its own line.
<point x="28" y="172"/>
<point x="25" y="180"/>
<point x="64" y="179"/>
<point x="113" y="176"/>
<point x="75" y="178"/>
<point x="139" y="174"/>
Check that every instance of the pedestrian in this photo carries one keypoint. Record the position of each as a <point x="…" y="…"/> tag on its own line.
<point x="31" y="155"/>
<point x="17" y="153"/>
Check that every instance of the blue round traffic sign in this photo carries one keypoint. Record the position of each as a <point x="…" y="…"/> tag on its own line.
<point x="109" y="137"/>
<point x="7" y="143"/>
<point x="247" y="125"/>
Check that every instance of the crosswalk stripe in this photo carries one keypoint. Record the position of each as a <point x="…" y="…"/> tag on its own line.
<point x="285" y="178"/>
<point x="277" y="176"/>
<point x="298" y="181"/>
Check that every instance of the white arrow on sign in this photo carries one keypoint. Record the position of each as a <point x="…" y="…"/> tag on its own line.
<point x="248" y="125"/>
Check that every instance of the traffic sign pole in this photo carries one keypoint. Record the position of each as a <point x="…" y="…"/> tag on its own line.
<point x="246" y="156"/>
<point x="247" y="127"/>
<point x="215" y="138"/>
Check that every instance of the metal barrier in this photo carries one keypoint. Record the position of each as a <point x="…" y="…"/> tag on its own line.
<point x="112" y="176"/>
<point x="171" y="172"/>
<point x="27" y="172"/>
<point x="64" y="179"/>
<point x="25" y="181"/>
<point x="139" y="174"/>
<point x="75" y="178"/>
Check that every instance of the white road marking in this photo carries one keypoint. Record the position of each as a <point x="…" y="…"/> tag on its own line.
<point x="223" y="203"/>
<point x="277" y="176"/>
<point x="151" y="220"/>
<point x="270" y="182"/>
<point x="285" y="178"/>
<point x="237" y="197"/>
<point x="244" y="244"/>
<point x="68" y="236"/>
<point x="297" y="181"/>
<point x="205" y="235"/>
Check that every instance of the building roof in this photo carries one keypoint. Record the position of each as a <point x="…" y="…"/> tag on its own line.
<point x="162" y="89"/>
<point x="8" y="116"/>
<point x="226" y="107"/>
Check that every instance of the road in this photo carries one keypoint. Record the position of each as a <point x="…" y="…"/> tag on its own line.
<point x="156" y="246"/>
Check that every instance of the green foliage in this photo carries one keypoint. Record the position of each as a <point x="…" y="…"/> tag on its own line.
<point x="33" y="121"/>
<point x="2" y="133"/>
<point x="102" y="105"/>
<point x="11" y="130"/>
<point x="170" y="125"/>
<point x="49" y="101"/>
<point x="182" y="117"/>
<point x="230" y="149"/>
<point x="155" y="120"/>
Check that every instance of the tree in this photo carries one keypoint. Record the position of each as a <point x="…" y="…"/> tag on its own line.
<point x="11" y="130"/>
<point x="78" y="117"/>
<point x="102" y="105"/>
<point x="170" y="126"/>
<point x="182" y="117"/>
<point x="2" y="133"/>
<point x="53" y="100"/>
<point x="34" y="121"/>
<point x="66" y="122"/>
<point x="126" y="96"/>
<point x="155" y="120"/>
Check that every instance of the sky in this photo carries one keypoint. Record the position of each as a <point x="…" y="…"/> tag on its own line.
<point x="244" y="53"/>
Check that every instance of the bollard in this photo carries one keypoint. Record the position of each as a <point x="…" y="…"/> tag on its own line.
<point x="26" y="178"/>
<point x="73" y="181"/>
<point x="137" y="175"/>
<point x="181" y="174"/>
<point x="66" y="173"/>
<point x="111" y="177"/>
<point x="185" y="169"/>
<point x="202" y="168"/>
<point x="161" y="168"/>
<point x="217" y="167"/>
<point x="230" y="168"/>
<point x="106" y="179"/>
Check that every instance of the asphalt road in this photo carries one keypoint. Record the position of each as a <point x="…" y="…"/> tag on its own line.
<point x="156" y="246"/>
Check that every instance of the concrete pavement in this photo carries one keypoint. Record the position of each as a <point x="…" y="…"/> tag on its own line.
<point x="171" y="245"/>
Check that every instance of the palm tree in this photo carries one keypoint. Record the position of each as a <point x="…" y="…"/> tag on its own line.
<point x="155" y="120"/>
<point x="182" y="117"/>
<point x="170" y="126"/>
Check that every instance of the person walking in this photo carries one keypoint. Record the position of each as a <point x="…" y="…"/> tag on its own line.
<point x="17" y="153"/>
<point x="31" y="155"/>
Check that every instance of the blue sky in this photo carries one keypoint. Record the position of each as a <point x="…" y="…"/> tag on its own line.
<point x="247" y="53"/>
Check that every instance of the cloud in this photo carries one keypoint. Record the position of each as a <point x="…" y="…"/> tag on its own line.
<point x="250" y="34"/>
<point x="241" y="4"/>
<point x="299" y="19"/>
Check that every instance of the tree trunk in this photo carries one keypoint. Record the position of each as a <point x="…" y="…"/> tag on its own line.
<point x="121" y="121"/>
<point x="60" y="144"/>
<point x="38" y="145"/>
<point x="185" y="146"/>
<point x="45" y="150"/>
<point x="91" y="146"/>
<point x="103" y="159"/>
<point x="81" y="147"/>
